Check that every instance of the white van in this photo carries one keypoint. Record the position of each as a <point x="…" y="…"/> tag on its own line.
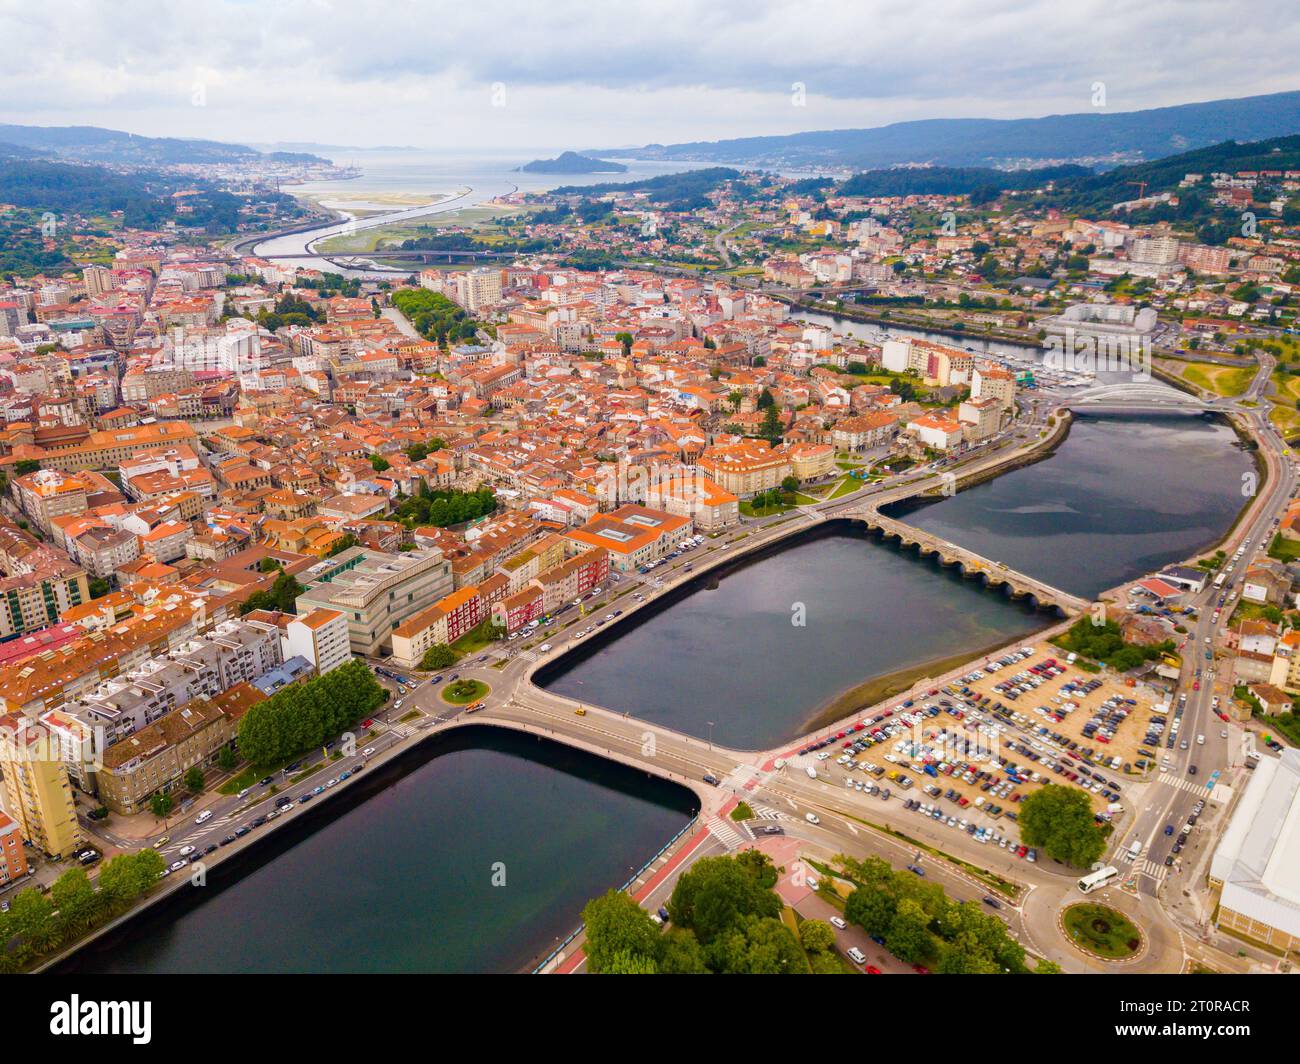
<point x="812" y="771"/>
<point x="812" y="818"/>
<point x="203" y="817"/>
<point x="856" y="955"/>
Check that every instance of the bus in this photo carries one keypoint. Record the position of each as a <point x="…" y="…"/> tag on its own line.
<point x="1218" y="580"/>
<point x="1099" y="878"/>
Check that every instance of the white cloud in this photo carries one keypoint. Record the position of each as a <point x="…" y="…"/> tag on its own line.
<point x="579" y="74"/>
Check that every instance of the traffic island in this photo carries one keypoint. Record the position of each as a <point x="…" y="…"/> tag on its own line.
<point x="463" y="692"/>
<point x="1102" y="932"/>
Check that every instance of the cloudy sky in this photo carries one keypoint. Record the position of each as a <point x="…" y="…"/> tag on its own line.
<point x="501" y="75"/>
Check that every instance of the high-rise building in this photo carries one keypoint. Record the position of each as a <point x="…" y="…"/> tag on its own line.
<point x="37" y="792"/>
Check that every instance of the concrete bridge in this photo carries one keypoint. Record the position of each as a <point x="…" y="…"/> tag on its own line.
<point x="973" y="566"/>
<point x="1131" y="395"/>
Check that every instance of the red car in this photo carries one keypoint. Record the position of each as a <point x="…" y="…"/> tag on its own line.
<point x="1196" y="685"/>
<point x="920" y="969"/>
<point x="367" y="722"/>
<point x="1021" y="851"/>
<point x="872" y="970"/>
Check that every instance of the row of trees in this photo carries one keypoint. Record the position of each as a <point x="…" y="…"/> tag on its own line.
<point x="920" y="924"/>
<point x="307" y="715"/>
<point x="37" y="923"/>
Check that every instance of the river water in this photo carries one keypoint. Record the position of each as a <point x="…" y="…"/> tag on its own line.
<point x="401" y="875"/>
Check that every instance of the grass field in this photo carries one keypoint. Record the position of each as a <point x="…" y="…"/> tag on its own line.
<point x="476" y="218"/>
<point x="1221" y="380"/>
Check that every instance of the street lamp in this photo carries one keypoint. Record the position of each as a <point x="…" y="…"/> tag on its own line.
<point x="710" y="735"/>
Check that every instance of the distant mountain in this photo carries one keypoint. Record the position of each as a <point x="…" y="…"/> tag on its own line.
<point x="1096" y="138"/>
<point x="95" y="145"/>
<point x="570" y="162"/>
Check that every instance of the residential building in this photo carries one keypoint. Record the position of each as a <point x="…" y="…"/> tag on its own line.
<point x="37" y="792"/>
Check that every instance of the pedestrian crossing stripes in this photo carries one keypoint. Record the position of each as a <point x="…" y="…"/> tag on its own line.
<point x="1190" y="786"/>
<point x="762" y="812"/>
<point x="726" y="834"/>
<point x="1150" y="868"/>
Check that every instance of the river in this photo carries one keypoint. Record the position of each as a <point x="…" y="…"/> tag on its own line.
<point x="398" y="874"/>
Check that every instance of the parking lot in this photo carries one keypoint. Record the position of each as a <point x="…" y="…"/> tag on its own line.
<point x="967" y="754"/>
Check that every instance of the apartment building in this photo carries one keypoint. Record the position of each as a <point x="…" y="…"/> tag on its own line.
<point x="13" y="858"/>
<point x="321" y="637"/>
<point x="37" y="792"/>
<point x="444" y="622"/>
<point x="633" y="535"/>
<point x="864" y="431"/>
<point x="38" y="583"/>
<point x="708" y="506"/>
<point x="746" y="468"/>
<point x="980" y="418"/>
<point x="155" y="759"/>
<point x="47" y="494"/>
<point x="378" y="591"/>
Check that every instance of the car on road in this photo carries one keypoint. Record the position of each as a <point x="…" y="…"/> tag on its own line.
<point x="772" y="829"/>
<point x="368" y="751"/>
<point x="1169" y="829"/>
<point x="266" y="782"/>
<point x="991" y="902"/>
<point x="1191" y="770"/>
<point x="176" y="866"/>
<point x="711" y="779"/>
<point x="227" y="840"/>
<point x="185" y="851"/>
<point x="856" y="955"/>
<point x="812" y="818"/>
<point x="838" y="921"/>
<point x="319" y="790"/>
<point x="872" y="970"/>
<point x="203" y="817"/>
<point x="243" y="793"/>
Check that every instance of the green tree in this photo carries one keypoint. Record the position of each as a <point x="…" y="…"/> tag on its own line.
<point x="1060" y="821"/>
<point x="908" y="937"/>
<point x="31" y="915"/>
<point x="872" y="909"/>
<point x="227" y="759"/>
<point x="194" y="779"/>
<point x="618" y="929"/>
<point x="378" y="463"/>
<point x="817" y="936"/>
<point x="438" y="656"/>
<point x="680" y="953"/>
<point x="716" y="895"/>
<point x="78" y="903"/>
<point x="161" y="804"/>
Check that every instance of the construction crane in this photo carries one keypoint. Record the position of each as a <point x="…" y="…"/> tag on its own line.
<point x="1141" y="187"/>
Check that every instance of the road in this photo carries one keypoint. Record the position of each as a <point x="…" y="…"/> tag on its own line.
<point x="1177" y="792"/>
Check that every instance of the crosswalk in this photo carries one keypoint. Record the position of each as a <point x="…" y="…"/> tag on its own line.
<point x="1190" y="786"/>
<point x="1150" y="868"/>
<point x="725" y="834"/>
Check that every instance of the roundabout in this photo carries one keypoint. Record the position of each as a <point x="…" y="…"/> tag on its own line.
<point x="1102" y="932"/>
<point x="463" y="692"/>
